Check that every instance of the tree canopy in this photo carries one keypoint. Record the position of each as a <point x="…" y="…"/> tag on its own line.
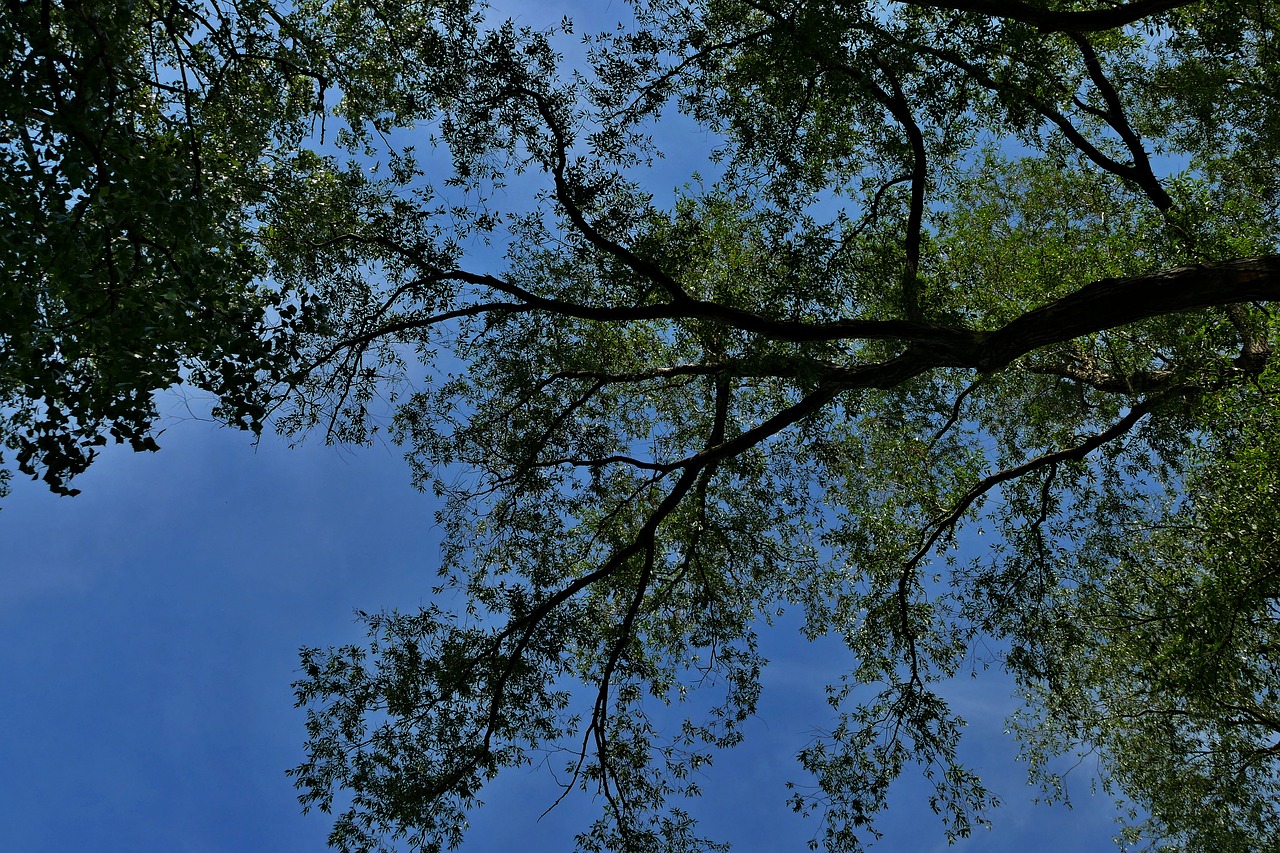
<point x="939" y="265"/>
<point x="135" y="143"/>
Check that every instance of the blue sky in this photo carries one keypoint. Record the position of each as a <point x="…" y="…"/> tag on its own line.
<point x="149" y="631"/>
<point x="148" y="637"/>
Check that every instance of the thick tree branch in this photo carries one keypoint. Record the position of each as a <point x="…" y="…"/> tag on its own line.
<point x="1098" y="306"/>
<point x="1255" y="347"/>
<point x="1141" y="382"/>
<point x="1048" y="20"/>
<point x="1114" y="302"/>
<point x="1105" y="304"/>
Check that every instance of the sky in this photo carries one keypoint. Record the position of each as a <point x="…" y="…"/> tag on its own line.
<point x="149" y="631"/>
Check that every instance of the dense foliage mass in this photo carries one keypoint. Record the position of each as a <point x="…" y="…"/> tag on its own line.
<point x="134" y="145"/>
<point x="942" y="263"/>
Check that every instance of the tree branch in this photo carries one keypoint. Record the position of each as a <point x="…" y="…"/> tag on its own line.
<point x="564" y="194"/>
<point x="1070" y="454"/>
<point x="1047" y="20"/>
<point x="1113" y="302"/>
<point x="898" y="107"/>
<point x="1114" y="115"/>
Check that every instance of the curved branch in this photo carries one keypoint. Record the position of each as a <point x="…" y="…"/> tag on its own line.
<point x="796" y="331"/>
<point x="1070" y="454"/>
<point x="979" y="75"/>
<point x="953" y="417"/>
<point x="412" y="323"/>
<point x="896" y="103"/>
<point x="564" y="195"/>
<point x="1114" y="115"/>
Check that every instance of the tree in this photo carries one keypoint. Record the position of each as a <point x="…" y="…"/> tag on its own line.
<point x="1188" y="627"/>
<point x="136" y="142"/>
<point x="957" y="264"/>
<point x="953" y="263"/>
